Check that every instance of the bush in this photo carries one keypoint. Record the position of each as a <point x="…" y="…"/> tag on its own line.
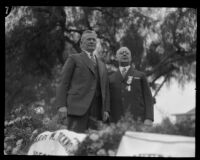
<point x="25" y="123"/>
<point x="185" y="128"/>
<point x="105" y="141"/>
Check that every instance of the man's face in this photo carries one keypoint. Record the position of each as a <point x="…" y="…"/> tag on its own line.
<point x="123" y="56"/>
<point x="89" y="44"/>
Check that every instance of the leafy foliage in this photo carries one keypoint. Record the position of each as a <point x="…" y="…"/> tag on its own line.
<point x="134" y="41"/>
<point x="34" y="46"/>
<point x="35" y="41"/>
<point x="40" y="38"/>
<point x="23" y="126"/>
<point x="177" y="53"/>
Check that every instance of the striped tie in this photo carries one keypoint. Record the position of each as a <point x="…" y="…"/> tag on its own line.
<point x="124" y="72"/>
<point x="93" y="59"/>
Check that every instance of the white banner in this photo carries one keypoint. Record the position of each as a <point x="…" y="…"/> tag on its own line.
<point x="140" y="144"/>
<point x="60" y="142"/>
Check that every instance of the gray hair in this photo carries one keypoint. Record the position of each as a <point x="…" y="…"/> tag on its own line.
<point x="122" y="49"/>
<point x="88" y="33"/>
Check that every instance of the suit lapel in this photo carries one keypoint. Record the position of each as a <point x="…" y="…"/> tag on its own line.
<point x="119" y="75"/>
<point x="128" y="73"/>
<point x="88" y="62"/>
<point x="100" y="67"/>
<point x="134" y="74"/>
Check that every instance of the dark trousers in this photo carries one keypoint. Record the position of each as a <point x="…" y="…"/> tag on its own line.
<point x="89" y="120"/>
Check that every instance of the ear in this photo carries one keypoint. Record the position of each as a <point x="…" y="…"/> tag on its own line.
<point x="117" y="57"/>
<point x="81" y="43"/>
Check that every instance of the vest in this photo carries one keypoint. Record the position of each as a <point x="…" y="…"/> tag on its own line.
<point x="96" y="105"/>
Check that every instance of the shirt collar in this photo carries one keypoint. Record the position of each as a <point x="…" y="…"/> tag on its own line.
<point x="121" y="68"/>
<point x="88" y="53"/>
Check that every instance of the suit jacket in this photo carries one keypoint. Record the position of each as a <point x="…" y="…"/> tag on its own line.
<point x="78" y="84"/>
<point x="137" y="99"/>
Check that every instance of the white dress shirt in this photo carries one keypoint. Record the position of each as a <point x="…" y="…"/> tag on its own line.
<point x="89" y="56"/>
<point x="122" y="68"/>
<point x="88" y="53"/>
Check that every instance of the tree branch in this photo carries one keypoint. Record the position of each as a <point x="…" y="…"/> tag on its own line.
<point x="139" y="14"/>
<point x="75" y="45"/>
<point x="162" y="62"/>
<point x="172" y="67"/>
<point x="104" y="12"/>
<point x="80" y="31"/>
<point x="163" y="82"/>
<point x="166" y="60"/>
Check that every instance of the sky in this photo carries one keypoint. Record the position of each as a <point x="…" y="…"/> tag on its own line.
<point x="174" y="99"/>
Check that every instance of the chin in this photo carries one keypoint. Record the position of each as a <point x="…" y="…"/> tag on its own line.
<point x="125" y="61"/>
<point x="122" y="63"/>
<point x="92" y="49"/>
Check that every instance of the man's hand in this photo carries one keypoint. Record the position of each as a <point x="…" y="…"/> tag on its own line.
<point x="62" y="109"/>
<point x="148" y="122"/>
<point x="105" y="116"/>
<point x="147" y="126"/>
<point x="62" y="112"/>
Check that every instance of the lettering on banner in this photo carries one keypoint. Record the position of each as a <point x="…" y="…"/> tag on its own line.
<point x="41" y="138"/>
<point x="65" y="142"/>
<point x="148" y="155"/>
<point x="52" y="136"/>
<point x="60" y="142"/>
<point x="60" y="137"/>
<point x="39" y="153"/>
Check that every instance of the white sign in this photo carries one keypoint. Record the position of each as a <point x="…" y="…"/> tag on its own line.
<point x="60" y="142"/>
<point x="140" y="144"/>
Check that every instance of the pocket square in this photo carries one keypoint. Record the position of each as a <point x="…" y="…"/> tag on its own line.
<point x="137" y="78"/>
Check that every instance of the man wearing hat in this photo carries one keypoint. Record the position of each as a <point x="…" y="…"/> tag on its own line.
<point x="83" y="93"/>
<point x="129" y="91"/>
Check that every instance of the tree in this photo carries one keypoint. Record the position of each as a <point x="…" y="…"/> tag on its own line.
<point x="178" y="42"/>
<point x="39" y="38"/>
<point x="34" y="46"/>
<point x="185" y="128"/>
<point x="134" y="41"/>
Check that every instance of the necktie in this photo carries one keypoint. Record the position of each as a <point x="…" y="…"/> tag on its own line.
<point x="124" y="72"/>
<point x="92" y="58"/>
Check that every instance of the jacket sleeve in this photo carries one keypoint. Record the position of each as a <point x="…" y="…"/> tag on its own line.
<point x="107" y="95"/>
<point x="148" y="99"/>
<point x="63" y="86"/>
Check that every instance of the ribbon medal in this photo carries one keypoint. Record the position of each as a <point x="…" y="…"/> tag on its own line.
<point x="129" y="81"/>
<point x="128" y="88"/>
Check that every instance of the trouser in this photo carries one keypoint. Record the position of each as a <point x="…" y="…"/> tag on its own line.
<point x="91" y="119"/>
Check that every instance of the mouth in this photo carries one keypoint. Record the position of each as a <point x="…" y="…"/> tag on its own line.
<point x="91" y="45"/>
<point x="124" y="58"/>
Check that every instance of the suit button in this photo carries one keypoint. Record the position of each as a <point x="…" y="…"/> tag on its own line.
<point x="122" y="98"/>
<point x="139" y="119"/>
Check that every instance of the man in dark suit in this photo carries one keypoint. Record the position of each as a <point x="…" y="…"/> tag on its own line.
<point x="129" y="91"/>
<point x="83" y="94"/>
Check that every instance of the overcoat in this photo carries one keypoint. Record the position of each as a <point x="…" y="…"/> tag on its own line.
<point x="78" y="84"/>
<point x="130" y="93"/>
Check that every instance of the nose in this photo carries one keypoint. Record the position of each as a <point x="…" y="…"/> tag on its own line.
<point x="124" y="53"/>
<point x="92" y="40"/>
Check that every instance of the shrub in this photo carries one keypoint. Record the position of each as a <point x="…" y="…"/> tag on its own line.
<point x="25" y="123"/>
